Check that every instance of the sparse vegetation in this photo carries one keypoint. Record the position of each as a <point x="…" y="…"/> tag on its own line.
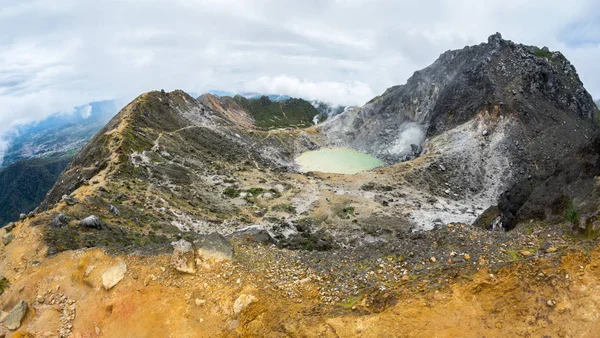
<point x="4" y="284"/>
<point x="231" y="192"/>
<point x="296" y="113"/>
<point x="285" y="208"/>
<point x="571" y="213"/>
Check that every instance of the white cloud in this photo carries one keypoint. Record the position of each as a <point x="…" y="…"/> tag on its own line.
<point x="354" y="93"/>
<point x="65" y="53"/>
<point x="86" y="111"/>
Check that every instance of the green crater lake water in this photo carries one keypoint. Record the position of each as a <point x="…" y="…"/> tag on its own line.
<point x="337" y="160"/>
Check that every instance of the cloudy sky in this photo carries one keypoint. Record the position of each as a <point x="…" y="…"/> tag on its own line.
<point x="63" y="53"/>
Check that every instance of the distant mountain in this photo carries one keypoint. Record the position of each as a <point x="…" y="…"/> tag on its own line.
<point x="39" y="152"/>
<point x="23" y="185"/>
<point x="59" y="134"/>
<point x="325" y="108"/>
<point x="265" y="113"/>
<point x="328" y="109"/>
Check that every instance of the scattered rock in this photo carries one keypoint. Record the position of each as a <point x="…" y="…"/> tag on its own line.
<point x="183" y="256"/>
<point x="14" y="318"/>
<point x="22" y="216"/>
<point x="214" y="247"/>
<point x="432" y="259"/>
<point x="69" y="200"/>
<point x="485" y="132"/>
<point x="242" y="302"/>
<point x="525" y="253"/>
<point x="200" y="302"/>
<point x="114" y="210"/>
<point x="91" y="222"/>
<point x="551" y="303"/>
<point x="114" y="275"/>
<point x="89" y="270"/>
<point x="40" y="299"/>
<point x="551" y="250"/>
<point x="467" y="257"/>
<point x="7" y="238"/>
<point x="102" y="189"/>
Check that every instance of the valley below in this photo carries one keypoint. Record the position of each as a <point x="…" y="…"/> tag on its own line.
<point x="464" y="203"/>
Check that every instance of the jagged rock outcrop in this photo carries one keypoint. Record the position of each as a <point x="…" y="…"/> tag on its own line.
<point x="487" y="113"/>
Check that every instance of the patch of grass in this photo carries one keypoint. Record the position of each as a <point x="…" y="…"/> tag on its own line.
<point x="513" y="255"/>
<point x="231" y="192"/>
<point x="543" y="54"/>
<point x="4" y="284"/>
<point x="285" y="208"/>
<point x="255" y="191"/>
<point x="571" y="213"/>
<point x="350" y="302"/>
<point x="344" y="210"/>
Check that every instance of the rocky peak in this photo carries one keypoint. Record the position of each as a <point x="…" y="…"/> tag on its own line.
<point x="495" y="39"/>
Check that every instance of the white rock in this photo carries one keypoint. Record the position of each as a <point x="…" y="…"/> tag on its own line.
<point x="242" y="302"/>
<point x="183" y="256"/>
<point x="114" y="275"/>
<point x="13" y="320"/>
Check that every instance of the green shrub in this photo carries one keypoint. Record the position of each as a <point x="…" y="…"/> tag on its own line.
<point x="571" y="213"/>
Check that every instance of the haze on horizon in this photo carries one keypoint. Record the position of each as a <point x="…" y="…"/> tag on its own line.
<point x="66" y="53"/>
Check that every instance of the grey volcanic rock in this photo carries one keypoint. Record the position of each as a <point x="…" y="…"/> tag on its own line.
<point x="522" y="81"/>
<point x="14" y="318"/>
<point x="91" y="222"/>
<point x="487" y="113"/>
<point x="213" y="247"/>
<point x="8" y="238"/>
<point x="255" y="233"/>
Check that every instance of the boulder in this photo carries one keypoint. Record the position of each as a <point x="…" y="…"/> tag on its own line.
<point x="14" y="318"/>
<point x="69" y="200"/>
<point x="10" y="226"/>
<point x="114" y="275"/>
<point x="59" y="221"/>
<point x="254" y="233"/>
<point x="7" y="238"/>
<point x="213" y="247"/>
<point x="22" y="216"/>
<point x="490" y="219"/>
<point x="91" y="222"/>
<point x="183" y="256"/>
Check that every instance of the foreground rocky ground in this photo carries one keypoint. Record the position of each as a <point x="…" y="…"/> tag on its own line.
<point x="457" y="281"/>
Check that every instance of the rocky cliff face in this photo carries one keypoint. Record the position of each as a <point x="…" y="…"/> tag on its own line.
<point x="533" y="85"/>
<point x="486" y="113"/>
